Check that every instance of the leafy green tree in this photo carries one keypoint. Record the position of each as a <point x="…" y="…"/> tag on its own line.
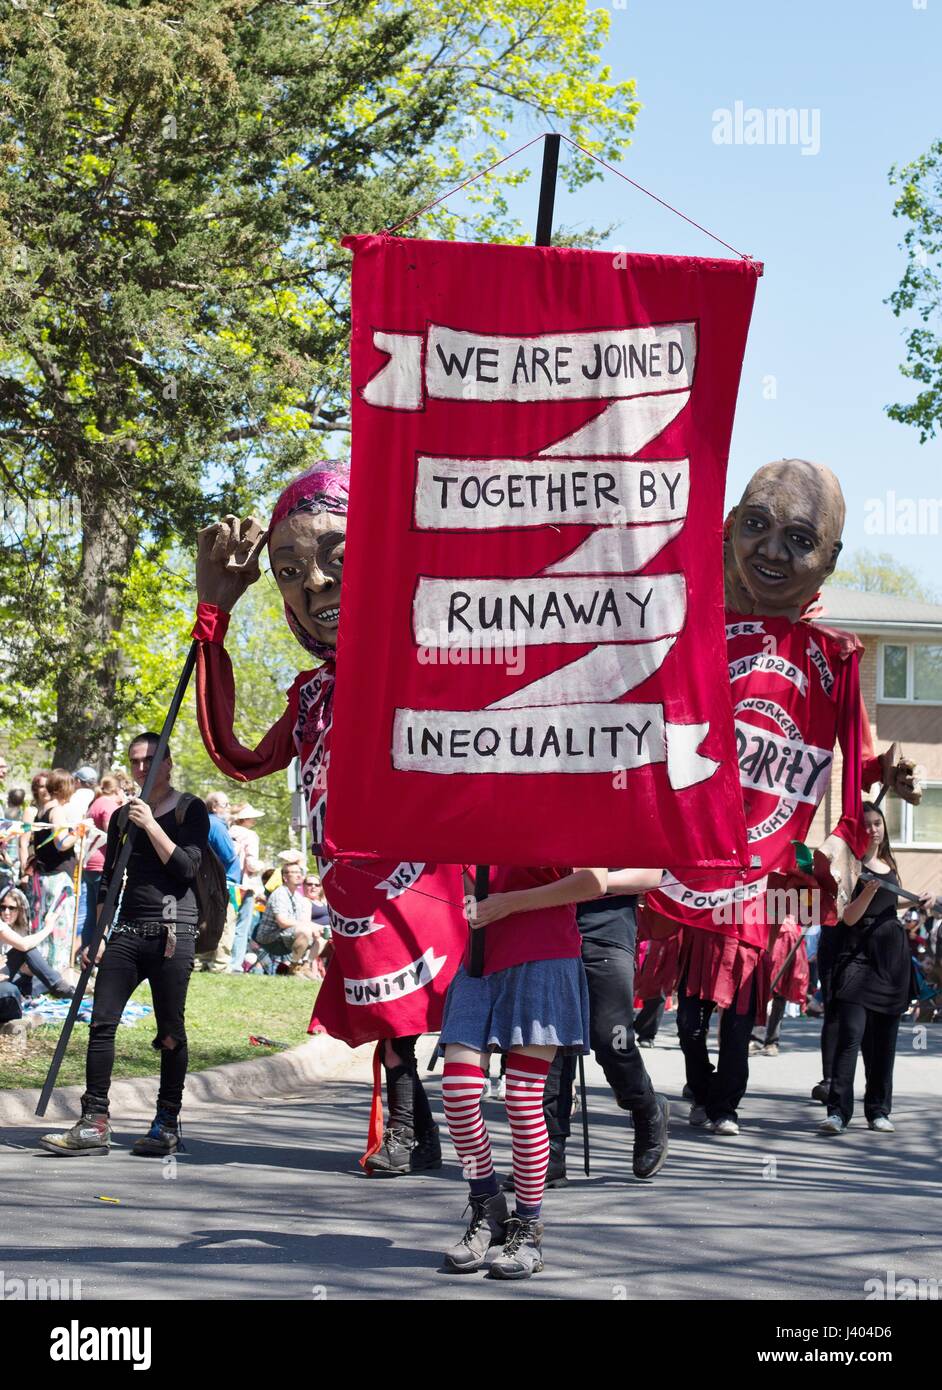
<point x="920" y="291"/>
<point x="175" y="181"/>
<point x="874" y="573"/>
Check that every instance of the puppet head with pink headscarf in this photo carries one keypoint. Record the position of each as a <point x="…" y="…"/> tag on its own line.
<point x="305" y="549"/>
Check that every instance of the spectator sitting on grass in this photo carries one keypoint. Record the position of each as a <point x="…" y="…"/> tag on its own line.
<point x="27" y="969"/>
<point x="281" y="932"/>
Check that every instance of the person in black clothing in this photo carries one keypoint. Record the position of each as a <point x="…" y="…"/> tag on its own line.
<point x="154" y="939"/>
<point x="869" y="988"/>
<point x="609" y="932"/>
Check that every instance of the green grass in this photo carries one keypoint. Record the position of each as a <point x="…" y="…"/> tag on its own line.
<point x="221" y="1012"/>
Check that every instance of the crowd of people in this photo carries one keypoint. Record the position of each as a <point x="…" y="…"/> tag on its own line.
<point x="53" y="842"/>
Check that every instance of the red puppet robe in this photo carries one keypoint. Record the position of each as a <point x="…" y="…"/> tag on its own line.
<point x="398" y="930"/>
<point x="795" y="691"/>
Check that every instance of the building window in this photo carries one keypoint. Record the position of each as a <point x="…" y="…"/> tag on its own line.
<point x="910" y="673"/>
<point x="915" y="827"/>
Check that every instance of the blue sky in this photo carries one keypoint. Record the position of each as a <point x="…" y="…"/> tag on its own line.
<point x="822" y="223"/>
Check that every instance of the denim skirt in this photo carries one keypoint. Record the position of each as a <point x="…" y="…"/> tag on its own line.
<point x="544" y="1003"/>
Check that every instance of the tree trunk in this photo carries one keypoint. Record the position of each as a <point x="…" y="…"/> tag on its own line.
<point x="87" y="718"/>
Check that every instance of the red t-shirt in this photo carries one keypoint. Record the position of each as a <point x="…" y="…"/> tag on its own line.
<point x="548" y="933"/>
<point x="100" y="812"/>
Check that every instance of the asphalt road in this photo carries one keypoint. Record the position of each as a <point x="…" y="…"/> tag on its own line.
<point x="268" y="1202"/>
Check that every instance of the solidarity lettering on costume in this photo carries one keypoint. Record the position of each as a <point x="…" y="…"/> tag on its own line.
<point x="773" y="665"/>
<point x="451" y="364"/>
<point x="711" y="902"/>
<point x="592" y="592"/>
<point x="397" y="984"/>
<point x="401" y="879"/>
<point x="352" y="926"/>
<point x="768" y="763"/>
<point x="819" y="662"/>
<point x="743" y="630"/>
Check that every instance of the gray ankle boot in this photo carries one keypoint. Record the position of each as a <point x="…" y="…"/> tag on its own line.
<point x="486" y="1228"/>
<point x="522" y="1254"/>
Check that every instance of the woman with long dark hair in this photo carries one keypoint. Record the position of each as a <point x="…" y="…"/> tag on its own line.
<point x="869" y="987"/>
<point x="27" y="967"/>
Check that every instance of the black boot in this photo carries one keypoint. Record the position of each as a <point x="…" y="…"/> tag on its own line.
<point x="89" y="1135"/>
<point x="427" y="1153"/>
<point x="821" y="1091"/>
<point x="161" y="1139"/>
<point x="394" y="1155"/>
<point x="651" y="1137"/>
<point x="555" y="1169"/>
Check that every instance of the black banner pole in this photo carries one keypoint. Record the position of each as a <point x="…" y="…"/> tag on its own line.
<point x="114" y="887"/>
<point x="544" y="217"/>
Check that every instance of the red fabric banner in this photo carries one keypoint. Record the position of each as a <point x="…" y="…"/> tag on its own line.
<point x="533" y="670"/>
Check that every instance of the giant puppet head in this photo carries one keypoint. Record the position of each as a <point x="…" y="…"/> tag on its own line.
<point x="781" y="543"/>
<point x="783" y="538"/>
<point x="305" y="547"/>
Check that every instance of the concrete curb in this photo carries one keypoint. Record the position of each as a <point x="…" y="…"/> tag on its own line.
<point x="321" y="1059"/>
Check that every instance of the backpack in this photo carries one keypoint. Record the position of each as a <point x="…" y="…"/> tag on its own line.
<point x="212" y="889"/>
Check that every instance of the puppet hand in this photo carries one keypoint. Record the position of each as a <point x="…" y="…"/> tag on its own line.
<point x="899" y="774"/>
<point x="845" y="868"/>
<point x="227" y="560"/>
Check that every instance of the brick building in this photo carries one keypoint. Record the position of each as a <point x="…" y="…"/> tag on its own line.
<point x="901" y="682"/>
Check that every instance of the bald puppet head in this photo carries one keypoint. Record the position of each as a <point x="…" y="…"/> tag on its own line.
<point x="783" y="538"/>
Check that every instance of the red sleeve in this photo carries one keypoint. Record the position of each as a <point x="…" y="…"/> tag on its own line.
<point x="871" y="769"/>
<point x="215" y="707"/>
<point x="850" y="734"/>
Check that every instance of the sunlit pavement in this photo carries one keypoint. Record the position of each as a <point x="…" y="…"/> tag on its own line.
<point x="269" y="1202"/>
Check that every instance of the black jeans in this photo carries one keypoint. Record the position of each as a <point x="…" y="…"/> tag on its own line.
<point x="40" y="969"/>
<point x="648" y="1019"/>
<point x="718" y="1089"/>
<point x="827" y="955"/>
<point x="128" y="960"/>
<point x="610" y="975"/>
<point x="408" y="1103"/>
<point x="860" y="1029"/>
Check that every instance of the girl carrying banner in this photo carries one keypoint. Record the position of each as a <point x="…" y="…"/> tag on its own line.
<point x="530" y="1001"/>
<point x="397" y="929"/>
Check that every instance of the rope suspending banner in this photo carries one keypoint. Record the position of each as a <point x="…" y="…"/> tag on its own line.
<point x="605" y="165"/>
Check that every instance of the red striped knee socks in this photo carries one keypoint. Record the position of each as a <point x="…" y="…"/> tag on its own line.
<point x="526" y="1080"/>
<point x="462" y="1087"/>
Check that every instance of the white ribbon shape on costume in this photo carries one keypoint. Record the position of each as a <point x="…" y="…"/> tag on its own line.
<point x="401" y="879"/>
<point x="397" y="984"/>
<point x="820" y="664"/>
<point x="352" y="926"/>
<point x="596" y="364"/>
<point x="672" y="887"/>
<point x="771" y="665"/>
